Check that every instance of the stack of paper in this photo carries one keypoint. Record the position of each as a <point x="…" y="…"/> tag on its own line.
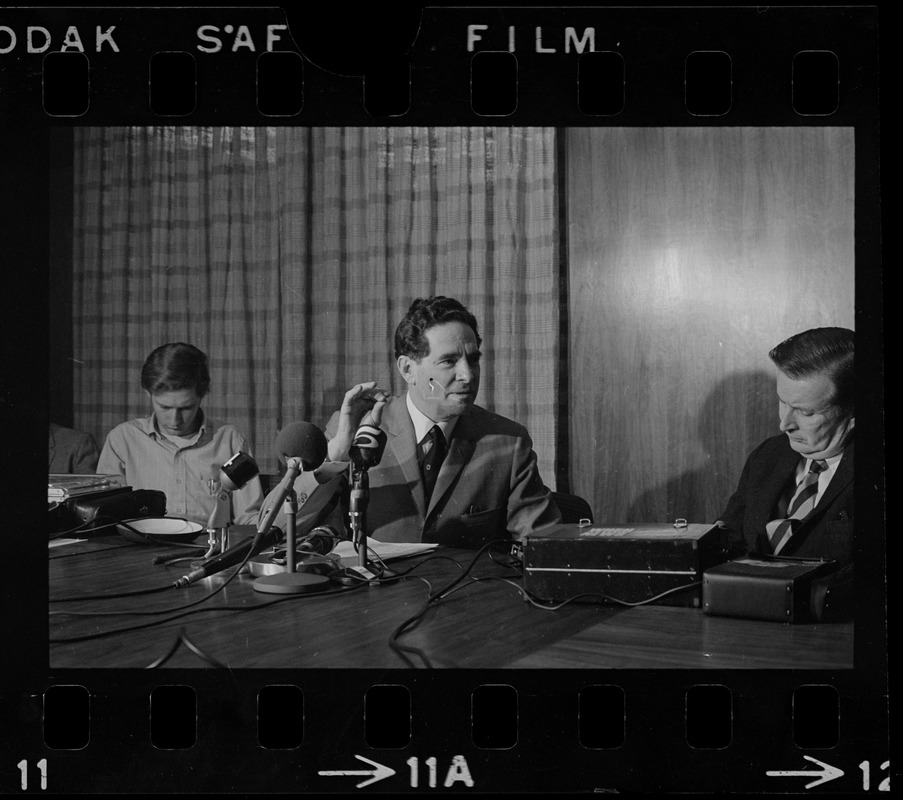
<point x="62" y="487"/>
<point x="387" y="551"/>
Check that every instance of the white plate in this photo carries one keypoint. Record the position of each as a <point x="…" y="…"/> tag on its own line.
<point x="159" y="530"/>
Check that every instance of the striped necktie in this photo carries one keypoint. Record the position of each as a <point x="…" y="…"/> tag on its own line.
<point x="802" y="502"/>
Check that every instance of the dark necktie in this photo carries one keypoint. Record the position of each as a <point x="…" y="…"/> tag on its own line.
<point x="432" y="459"/>
<point x="802" y="502"/>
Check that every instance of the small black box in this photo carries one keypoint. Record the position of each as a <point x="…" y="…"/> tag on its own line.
<point x="655" y="562"/>
<point x="766" y="587"/>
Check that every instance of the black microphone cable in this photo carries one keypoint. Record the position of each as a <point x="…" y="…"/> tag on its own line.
<point x="152" y="623"/>
<point x="182" y="639"/>
<point x="434" y="598"/>
<point x="184" y="609"/>
<point x="93" y="527"/>
<point x="58" y="556"/>
<point x="115" y="523"/>
<point x="538" y="603"/>
<point x="168" y="586"/>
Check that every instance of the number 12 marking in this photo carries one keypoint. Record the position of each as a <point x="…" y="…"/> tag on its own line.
<point x="884" y="786"/>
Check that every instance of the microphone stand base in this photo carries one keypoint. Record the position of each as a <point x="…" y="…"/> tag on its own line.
<point x="290" y="583"/>
<point x="320" y="565"/>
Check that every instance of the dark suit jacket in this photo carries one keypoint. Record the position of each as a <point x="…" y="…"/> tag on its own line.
<point x="487" y="488"/>
<point x="71" y="452"/>
<point x="826" y="532"/>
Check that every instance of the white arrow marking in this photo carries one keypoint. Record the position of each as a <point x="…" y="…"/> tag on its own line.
<point x="379" y="772"/>
<point x="827" y="773"/>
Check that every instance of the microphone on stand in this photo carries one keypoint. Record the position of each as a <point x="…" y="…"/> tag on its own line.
<point x="227" y="478"/>
<point x="302" y="440"/>
<point x="366" y="451"/>
<point x="303" y="447"/>
<point x="367" y="447"/>
<point x="234" y="474"/>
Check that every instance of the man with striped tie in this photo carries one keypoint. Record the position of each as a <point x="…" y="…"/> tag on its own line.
<point x="795" y="495"/>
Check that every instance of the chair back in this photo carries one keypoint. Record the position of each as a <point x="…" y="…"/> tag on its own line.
<point x="573" y="508"/>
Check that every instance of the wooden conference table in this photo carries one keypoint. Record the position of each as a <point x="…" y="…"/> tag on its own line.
<point x="480" y="624"/>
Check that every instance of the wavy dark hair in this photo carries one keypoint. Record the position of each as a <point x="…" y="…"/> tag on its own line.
<point x="423" y="314"/>
<point x="828" y="350"/>
<point x="176" y="366"/>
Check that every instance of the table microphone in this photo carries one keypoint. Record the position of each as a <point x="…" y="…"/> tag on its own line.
<point x="366" y="451"/>
<point x="302" y="440"/>
<point x="367" y="447"/>
<point x="245" y="549"/>
<point x="230" y="477"/>
<point x="235" y="473"/>
<point x="303" y="447"/>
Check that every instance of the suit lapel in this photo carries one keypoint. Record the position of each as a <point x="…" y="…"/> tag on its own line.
<point x="402" y="448"/>
<point x="771" y="500"/>
<point x="776" y="485"/>
<point x="839" y="482"/>
<point x="459" y="452"/>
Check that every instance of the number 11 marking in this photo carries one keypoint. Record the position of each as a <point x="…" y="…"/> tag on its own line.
<point x="23" y="768"/>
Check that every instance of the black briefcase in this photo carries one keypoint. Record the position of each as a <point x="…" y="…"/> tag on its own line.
<point x="94" y="511"/>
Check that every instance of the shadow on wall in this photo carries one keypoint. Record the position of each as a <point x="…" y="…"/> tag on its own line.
<point x="738" y="414"/>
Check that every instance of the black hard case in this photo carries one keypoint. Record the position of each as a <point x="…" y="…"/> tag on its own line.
<point x="767" y="587"/>
<point x="626" y="563"/>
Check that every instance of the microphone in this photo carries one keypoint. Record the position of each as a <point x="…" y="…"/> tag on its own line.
<point x="237" y="471"/>
<point x="321" y="541"/>
<point x="302" y="440"/>
<point x="229" y="477"/>
<point x="368" y="446"/>
<point x="309" y="445"/>
<point x="366" y="451"/>
<point x="247" y="548"/>
<point x="301" y="445"/>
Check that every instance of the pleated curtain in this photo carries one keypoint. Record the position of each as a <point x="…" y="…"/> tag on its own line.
<point x="289" y="255"/>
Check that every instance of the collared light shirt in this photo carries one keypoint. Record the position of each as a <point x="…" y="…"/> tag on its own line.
<point x="824" y="477"/>
<point x="422" y="423"/>
<point x="137" y="451"/>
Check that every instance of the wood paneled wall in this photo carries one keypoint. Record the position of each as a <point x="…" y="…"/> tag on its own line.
<point x="691" y="252"/>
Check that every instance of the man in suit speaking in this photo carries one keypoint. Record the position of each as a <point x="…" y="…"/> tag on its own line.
<point x="451" y="472"/>
<point x="795" y="496"/>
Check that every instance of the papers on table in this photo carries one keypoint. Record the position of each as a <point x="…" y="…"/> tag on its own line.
<point x="387" y="551"/>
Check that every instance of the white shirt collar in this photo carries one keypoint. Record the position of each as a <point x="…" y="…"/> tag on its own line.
<point x="831" y="462"/>
<point x="825" y="475"/>
<point x="422" y="423"/>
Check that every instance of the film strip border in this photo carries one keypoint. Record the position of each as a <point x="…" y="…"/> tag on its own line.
<point x="561" y="66"/>
<point x="530" y="733"/>
<point x="520" y="731"/>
